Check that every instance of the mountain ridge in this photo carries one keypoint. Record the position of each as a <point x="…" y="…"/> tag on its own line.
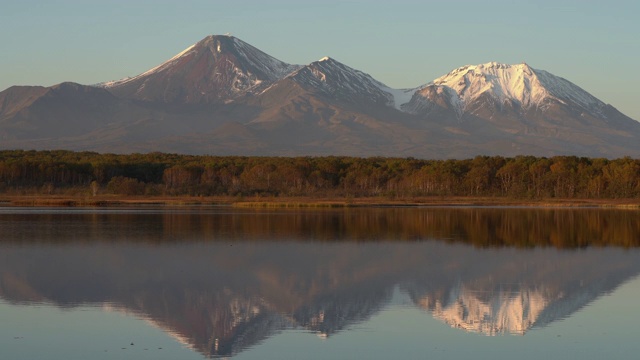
<point x="187" y="103"/>
<point x="218" y="67"/>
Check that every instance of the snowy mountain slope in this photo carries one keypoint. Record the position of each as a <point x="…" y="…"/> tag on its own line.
<point x="216" y="69"/>
<point x="526" y="110"/>
<point x="336" y="80"/>
<point x="515" y="85"/>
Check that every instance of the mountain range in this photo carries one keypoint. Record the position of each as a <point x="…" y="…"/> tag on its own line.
<point x="222" y="96"/>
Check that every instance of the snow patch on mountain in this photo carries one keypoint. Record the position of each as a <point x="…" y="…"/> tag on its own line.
<point x="564" y="90"/>
<point x="273" y="68"/>
<point x="400" y="96"/>
<point x="217" y="68"/>
<point x="244" y="81"/>
<point x="337" y="80"/>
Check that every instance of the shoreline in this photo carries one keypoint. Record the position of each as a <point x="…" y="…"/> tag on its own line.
<point x="307" y="202"/>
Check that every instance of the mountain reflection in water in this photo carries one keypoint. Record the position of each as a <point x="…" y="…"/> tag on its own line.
<point x="221" y="280"/>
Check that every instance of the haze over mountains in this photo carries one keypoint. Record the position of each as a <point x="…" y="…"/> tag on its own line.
<point x="222" y="96"/>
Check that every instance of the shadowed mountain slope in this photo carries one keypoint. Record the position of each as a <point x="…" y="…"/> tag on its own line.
<point x="223" y="96"/>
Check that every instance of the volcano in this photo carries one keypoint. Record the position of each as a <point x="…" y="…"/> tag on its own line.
<point x="222" y="96"/>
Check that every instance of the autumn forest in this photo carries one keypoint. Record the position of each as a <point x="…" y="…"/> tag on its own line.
<point x="526" y="177"/>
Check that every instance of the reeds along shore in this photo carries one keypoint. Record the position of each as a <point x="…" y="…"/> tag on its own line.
<point x="305" y="202"/>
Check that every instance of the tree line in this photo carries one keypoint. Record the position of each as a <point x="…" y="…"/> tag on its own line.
<point x="50" y="172"/>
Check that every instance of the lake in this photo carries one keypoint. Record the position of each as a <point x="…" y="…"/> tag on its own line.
<point x="374" y="283"/>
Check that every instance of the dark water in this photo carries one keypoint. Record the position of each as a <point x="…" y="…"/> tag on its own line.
<point x="444" y="283"/>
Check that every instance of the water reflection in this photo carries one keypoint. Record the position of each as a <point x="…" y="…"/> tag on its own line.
<point x="483" y="227"/>
<point x="221" y="281"/>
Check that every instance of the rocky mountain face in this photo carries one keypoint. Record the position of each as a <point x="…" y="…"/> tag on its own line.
<point x="216" y="69"/>
<point x="223" y="96"/>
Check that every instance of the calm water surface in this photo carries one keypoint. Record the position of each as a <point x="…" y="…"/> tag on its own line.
<point x="437" y="283"/>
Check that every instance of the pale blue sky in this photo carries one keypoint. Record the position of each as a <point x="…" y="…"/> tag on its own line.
<point x="403" y="43"/>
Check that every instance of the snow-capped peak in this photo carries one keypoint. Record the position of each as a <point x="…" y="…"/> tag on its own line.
<point x="517" y="83"/>
<point x="272" y="67"/>
<point x="504" y="82"/>
<point x="223" y="68"/>
<point x="217" y="68"/>
<point x="336" y="79"/>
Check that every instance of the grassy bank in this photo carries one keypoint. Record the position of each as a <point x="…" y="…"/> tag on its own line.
<point x="305" y="202"/>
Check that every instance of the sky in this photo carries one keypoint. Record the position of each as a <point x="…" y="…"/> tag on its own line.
<point x="403" y="43"/>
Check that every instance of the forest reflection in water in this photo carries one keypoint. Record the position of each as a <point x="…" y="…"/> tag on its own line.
<point x="483" y="227"/>
<point x="223" y="280"/>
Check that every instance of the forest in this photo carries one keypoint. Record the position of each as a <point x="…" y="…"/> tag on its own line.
<point x="155" y="174"/>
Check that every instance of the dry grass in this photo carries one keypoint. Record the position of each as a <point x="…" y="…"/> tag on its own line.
<point x="306" y="202"/>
